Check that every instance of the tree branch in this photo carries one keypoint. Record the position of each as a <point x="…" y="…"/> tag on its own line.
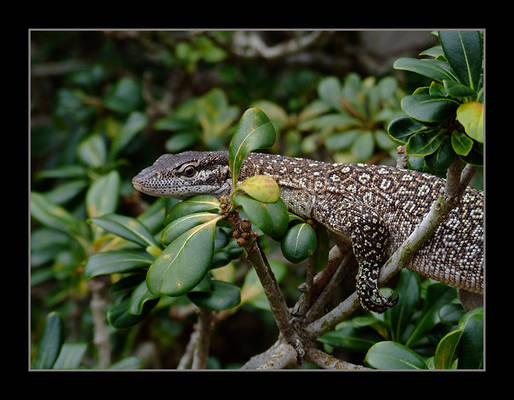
<point x="101" y="334"/>
<point x="326" y="361"/>
<point x="203" y="340"/>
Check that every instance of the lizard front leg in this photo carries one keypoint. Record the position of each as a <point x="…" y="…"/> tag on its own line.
<point x="369" y="238"/>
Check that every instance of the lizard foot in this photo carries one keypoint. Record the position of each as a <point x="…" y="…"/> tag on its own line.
<point x="369" y="295"/>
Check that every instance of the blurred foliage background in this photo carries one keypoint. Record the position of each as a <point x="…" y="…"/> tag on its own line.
<point x="108" y="103"/>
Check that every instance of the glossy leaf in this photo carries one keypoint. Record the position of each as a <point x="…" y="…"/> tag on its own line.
<point x="184" y="262"/>
<point x="255" y="131"/>
<point x="271" y="218"/>
<point x="116" y="261"/>
<point x="424" y="143"/>
<point x="102" y="197"/>
<point x="66" y="171"/>
<point x="434" y="51"/>
<point x="192" y="205"/>
<point x="180" y="225"/>
<point x="299" y="242"/>
<point x="51" y="341"/>
<point x="53" y="216"/>
<point x="471" y="348"/>
<point x="443" y="157"/>
<point x="426" y="108"/>
<point x="139" y="297"/>
<point x="222" y="296"/>
<point x="120" y="317"/>
<point x="461" y="143"/>
<point x="456" y="89"/>
<point x="329" y="90"/>
<point x="274" y="112"/>
<point x="409" y="291"/>
<point x="450" y="314"/>
<point x="261" y="188"/>
<point x="401" y="128"/>
<point x="134" y="124"/>
<point x="153" y="217"/>
<point x="431" y="68"/>
<point x="471" y="116"/>
<point x="127" y="363"/>
<point x="127" y="228"/>
<point x="438" y="295"/>
<point x="70" y="356"/>
<point x="392" y="355"/>
<point x="446" y="348"/>
<point x="463" y="50"/>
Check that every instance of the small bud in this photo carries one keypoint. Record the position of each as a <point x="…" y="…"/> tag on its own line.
<point x="236" y="234"/>
<point x="241" y="242"/>
<point x="245" y="235"/>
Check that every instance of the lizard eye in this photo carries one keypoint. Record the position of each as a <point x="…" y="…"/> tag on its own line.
<point x="189" y="171"/>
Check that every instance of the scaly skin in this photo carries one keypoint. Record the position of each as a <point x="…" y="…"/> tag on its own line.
<point x="374" y="207"/>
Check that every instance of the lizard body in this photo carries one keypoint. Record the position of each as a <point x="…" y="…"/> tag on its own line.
<point x="373" y="207"/>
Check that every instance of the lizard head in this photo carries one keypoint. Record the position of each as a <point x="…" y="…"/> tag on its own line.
<point x="185" y="174"/>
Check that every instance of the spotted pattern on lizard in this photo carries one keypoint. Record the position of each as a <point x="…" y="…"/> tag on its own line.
<point x="375" y="207"/>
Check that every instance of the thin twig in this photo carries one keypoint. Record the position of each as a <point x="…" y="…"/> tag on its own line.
<point x="203" y="340"/>
<point x="187" y="358"/>
<point x="326" y="361"/>
<point x="401" y="161"/>
<point x="101" y="334"/>
<point x="282" y="356"/>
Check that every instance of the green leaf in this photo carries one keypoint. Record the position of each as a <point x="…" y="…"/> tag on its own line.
<point x="63" y="193"/>
<point x="214" y="113"/>
<point x="139" y="297"/>
<point x="173" y="123"/>
<point x="314" y="109"/>
<point x="184" y="262"/>
<point x="127" y="228"/>
<point x="461" y="143"/>
<point x="401" y="128"/>
<point x="102" y="196"/>
<point x="180" y="225"/>
<point x="274" y="112"/>
<point x="116" y="261"/>
<point x="120" y="317"/>
<point x="299" y="243"/>
<point x="329" y="122"/>
<point x="255" y="131"/>
<point x="51" y="341"/>
<point x="125" y="96"/>
<point x="70" y="356"/>
<point x="392" y="355"/>
<point x="456" y="89"/>
<point x="222" y="296"/>
<point x="426" y="108"/>
<point x="127" y="363"/>
<point x="350" y="337"/>
<point x="203" y="202"/>
<point x="438" y="294"/>
<point x="153" y="217"/>
<point x="181" y="141"/>
<point x="52" y="215"/>
<point x="471" y="348"/>
<point x="471" y="116"/>
<point x="446" y="348"/>
<point x="341" y="141"/>
<point x="424" y="143"/>
<point x="434" y="51"/>
<point x="450" y="314"/>
<point x="363" y="146"/>
<point x="476" y="155"/>
<point x="134" y="124"/>
<point x="434" y="69"/>
<point x="443" y="157"/>
<point x="329" y="90"/>
<point x="261" y="187"/>
<point x="66" y="171"/>
<point x="408" y="290"/>
<point x="271" y="218"/>
<point x="92" y="151"/>
<point x="463" y="50"/>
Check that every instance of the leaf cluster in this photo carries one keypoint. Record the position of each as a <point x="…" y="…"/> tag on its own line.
<point x="445" y="119"/>
<point x="427" y="329"/>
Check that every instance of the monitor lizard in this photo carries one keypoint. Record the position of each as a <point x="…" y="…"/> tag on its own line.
<point x="374" y="208"/>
